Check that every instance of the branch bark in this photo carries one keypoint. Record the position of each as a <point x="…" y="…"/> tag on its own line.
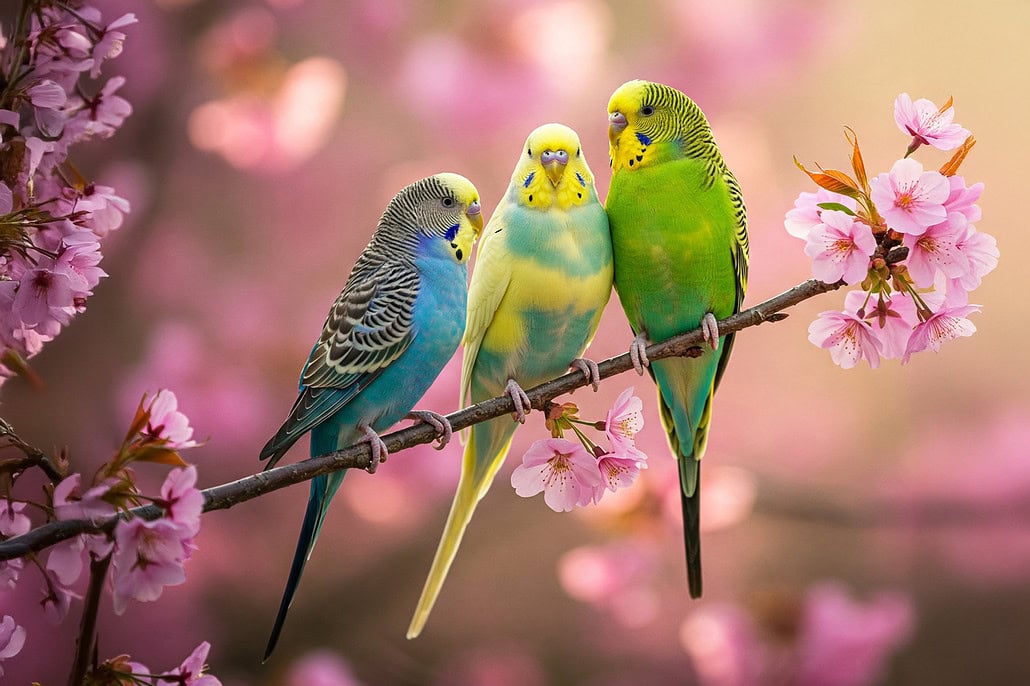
<point x="227" y="495"/>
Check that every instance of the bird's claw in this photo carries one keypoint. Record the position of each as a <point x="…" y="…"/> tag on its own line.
<point x="710" y="330"/>
<point x="638" y="353"/>
<point x="521" y="400"/>
<point x="440" y="423"/>
<point x="589" y="369"/>
<point x="375" y="442"/>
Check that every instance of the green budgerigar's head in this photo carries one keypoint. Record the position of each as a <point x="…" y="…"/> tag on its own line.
<point x="443" y="208"/>
<point x="552" y="170"/>
<point x="650" y="122"/>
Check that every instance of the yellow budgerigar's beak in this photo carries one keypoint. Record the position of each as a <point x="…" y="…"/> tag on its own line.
<point x="554" y="162"/>
<point x="475" y="215"/>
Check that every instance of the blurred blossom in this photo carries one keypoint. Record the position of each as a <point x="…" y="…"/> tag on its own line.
<point x="9" y="572"/>
<point x="616" y="578"/>
<point x="147" y="557"/>
<point x="71" y="503"/>
<point x="56" y="602"/>
<point x="191" y="671"/>
<point x="321" y="668"/>
<point x="276" y="133"/>
<point x="12" y="521"/>
<point x="499" y="665"/>
<point x="12" y="638"/>
<point x="555" y="35"/>
<point x="822" y="639"/>
<point x="730" y="494"/>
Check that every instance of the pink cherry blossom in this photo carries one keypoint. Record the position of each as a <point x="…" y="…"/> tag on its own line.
<point x="56" y="602"/>
<point x="945" y="324"/>
<point x="65" y="560"/>
<point x="12" y="639"/>
<point x="981" y="250"/>
<point x="147" y="557"/>
<point x="100" y="116"/>
<point x="927" y="124"/>
<point x="12" y="521"/>
<point x="167" y="423"/>
<point x="909" y="198"/>
<point x="191" y="671"/>
<point x="44" y="298"/>
<point x="937" y="250"/>
<point x="848" y="338"/>
<point x="563" y="470"/>
<point x="807" y="213"/>
<point x="891" y="319"/>
<point x="69" y="503"/>
<point x="840" y="248"/>
<point x="617" y="471"/>
<point x="182" y="501"/>
<point x="109" y="45"/>
<point x="963" y="199"/>
<point x="623" y="422"/>
<point x="47" y="94"/>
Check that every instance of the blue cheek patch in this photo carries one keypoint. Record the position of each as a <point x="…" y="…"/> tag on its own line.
<point x="582" y="181"/>
<point x="451" y="233"/>
<point x="643" y="138"/>
<point x="529" y="179"/>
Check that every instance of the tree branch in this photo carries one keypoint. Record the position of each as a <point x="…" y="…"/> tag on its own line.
<point x="357" y="456"/>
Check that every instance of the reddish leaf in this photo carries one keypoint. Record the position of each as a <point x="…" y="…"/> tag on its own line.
<point x="159" y="455"/>
<point x="950" y="167"/>
<point x="857" y="163"/>
<point x="832" y="180"/>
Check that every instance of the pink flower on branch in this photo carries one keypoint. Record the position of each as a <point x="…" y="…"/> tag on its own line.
<point x="623" y="422"/>
<point x="70" y="503"/>
<point x="910" y="199"/>
<point x="840" y="248"/>
<point x="182" y="501"/>
<point x="167" y="424"/>
<point x="618" y="471"/>
<point x="807" y="212"/>
<point x="191" y="671"/>
<point x="981" y="249"/>
<point x="937" y="250"/>
<point x="943" y="325"/>
<point x="563" y="470"/>
<point x="848" y="337"/>
<point x="927" y="123"/>
<point x="147" y="557"/>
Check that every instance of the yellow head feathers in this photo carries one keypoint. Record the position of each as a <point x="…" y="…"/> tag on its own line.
<point x="650" y="122"/>
<point x="552" y="170"/>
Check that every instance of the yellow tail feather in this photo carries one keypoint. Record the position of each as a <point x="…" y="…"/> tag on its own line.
<point x="472" y="486"/>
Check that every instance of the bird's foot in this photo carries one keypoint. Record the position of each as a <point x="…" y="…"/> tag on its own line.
<point x="521" y="400"/>
<point x="710" y="330"/>
<point x="375" y="442"/>
<point x="589" y="369"/>
<point x="438" y="422"/>
<point x="638" y="353"/>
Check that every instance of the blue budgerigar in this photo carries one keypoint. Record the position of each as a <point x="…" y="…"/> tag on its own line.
<point x="394" y="326"/>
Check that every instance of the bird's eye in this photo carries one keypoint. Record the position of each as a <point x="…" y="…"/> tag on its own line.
<point x="529" y="151"/>
<point x="447" y="202"/>
<point x="577" y="152"/>
<point x="647" y="110"/>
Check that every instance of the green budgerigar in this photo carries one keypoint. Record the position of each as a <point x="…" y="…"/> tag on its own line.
<point x="542" y="279"/>
<point x="679" y="237"/>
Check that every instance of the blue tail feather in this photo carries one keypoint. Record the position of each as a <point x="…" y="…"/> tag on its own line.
<point x="323" y="488"/>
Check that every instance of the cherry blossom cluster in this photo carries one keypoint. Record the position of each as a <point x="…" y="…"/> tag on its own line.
<point x="144" y="556"/>
<point x="573" y="473"/>
<point x="905" y="237"/>
<point x="52" y="219"/>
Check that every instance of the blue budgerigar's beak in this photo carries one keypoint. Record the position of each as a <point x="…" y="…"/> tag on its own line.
<point x="475" y="215"/>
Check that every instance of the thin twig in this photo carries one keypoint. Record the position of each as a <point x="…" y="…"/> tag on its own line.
<point x="357" y="456"/>
<point x="34" y="457"/>
<point x="88" y="627"/>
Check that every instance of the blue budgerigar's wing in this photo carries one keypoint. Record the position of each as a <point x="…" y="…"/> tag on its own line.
<point x="368" y="327"/>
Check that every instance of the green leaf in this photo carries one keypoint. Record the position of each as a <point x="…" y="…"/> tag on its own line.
<point x="836" y="207"/>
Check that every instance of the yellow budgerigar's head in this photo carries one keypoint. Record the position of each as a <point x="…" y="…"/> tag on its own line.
<point x="650" y="122"/>
<point x="552" y="170"/>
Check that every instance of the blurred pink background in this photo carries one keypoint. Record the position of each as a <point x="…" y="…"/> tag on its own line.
<point x="267" y="138"/>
